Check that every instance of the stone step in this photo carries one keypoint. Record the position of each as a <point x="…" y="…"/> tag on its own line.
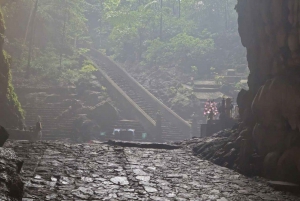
<point x="206" y="86"/>
<point x="49" y="123"/>
<point x="206" y="89"/>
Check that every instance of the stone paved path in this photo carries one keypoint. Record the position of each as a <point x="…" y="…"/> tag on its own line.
<point x="56" y="171"/>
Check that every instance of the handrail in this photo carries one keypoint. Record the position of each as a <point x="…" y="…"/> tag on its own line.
<point x="170" y="115"/>
<point x="140" y="115"/>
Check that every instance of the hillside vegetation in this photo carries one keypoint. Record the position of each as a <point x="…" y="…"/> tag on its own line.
<point x="46" y="38"/>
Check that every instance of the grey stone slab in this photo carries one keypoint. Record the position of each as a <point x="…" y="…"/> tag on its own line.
<point x="132" y="174"/>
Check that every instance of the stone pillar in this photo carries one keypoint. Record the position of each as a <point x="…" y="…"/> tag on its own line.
<point x="195" y="132"/>
<point x="203" y="130"/>
<point x="228" y="108"/>
<point x="221" y="110"/>
<point x="158" y="127"/>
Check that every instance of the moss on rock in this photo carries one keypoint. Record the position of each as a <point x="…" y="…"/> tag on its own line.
<point x="11" y="110"/>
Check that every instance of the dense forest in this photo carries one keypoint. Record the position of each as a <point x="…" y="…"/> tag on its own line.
<point x="46" y="38"/>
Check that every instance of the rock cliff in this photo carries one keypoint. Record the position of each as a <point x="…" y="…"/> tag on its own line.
<point x="266" y="141"/>
<point x="270" y="109"/>
<point x="11" y="111"/>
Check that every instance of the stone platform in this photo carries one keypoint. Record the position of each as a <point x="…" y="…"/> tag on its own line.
<point x="57" y="171"/>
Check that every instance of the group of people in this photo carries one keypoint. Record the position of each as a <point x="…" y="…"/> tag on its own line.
<point x="224" y="110"/>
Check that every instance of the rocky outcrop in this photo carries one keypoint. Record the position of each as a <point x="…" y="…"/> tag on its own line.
<point x="267" y="140"/>
<point x="90" y="121"/>
<point x="222" y="148"/>
<point x="11" y="111"/>
<point x="269" y="110"/>
<point x="10" y="116"/>
<point x="11" y="182"/>
<point x="104" y="114"/>
<point x="3" y="136"/>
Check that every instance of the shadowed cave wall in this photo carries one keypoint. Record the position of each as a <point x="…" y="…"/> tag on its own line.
<point x="270" y="109"/>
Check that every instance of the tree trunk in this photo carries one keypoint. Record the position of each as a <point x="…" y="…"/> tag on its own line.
<point x="161" y="19"/>
<point x="63" y="34"/>
<point x="31" y="38"/>
<point x="179" y="8"/>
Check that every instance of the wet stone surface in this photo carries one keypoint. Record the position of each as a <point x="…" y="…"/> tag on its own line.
<point x="11" y="185"/>
<point x="57" y="171"/>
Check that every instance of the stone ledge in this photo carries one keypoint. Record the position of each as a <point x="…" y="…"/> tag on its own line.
<point x="142" y="145"/>
<point x="285" y="186"/>
<point x="20" y="135"/>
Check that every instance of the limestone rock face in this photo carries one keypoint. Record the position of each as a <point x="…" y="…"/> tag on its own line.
<point x="10" y="108"/>
<point x="11" y="183"/>
<point x="268" y="139"/>
<point x="270" y="31"/>
<point x="288" y="166"/>
<point x="270" y="164"/>
<point x="277" y="103"/>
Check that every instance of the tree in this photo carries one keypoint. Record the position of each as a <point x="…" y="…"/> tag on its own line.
<point x="32" y="27"/>
<point x="57" y="28"/>
<point x="127" y="31"/>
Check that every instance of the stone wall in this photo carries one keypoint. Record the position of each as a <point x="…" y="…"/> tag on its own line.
<point x="270" y="109"/>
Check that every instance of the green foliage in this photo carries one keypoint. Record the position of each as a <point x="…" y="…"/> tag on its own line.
<point x="82" y="74"/>
<point x="13" y="99"/>
<point x="172" y="91"/>
<point x="199" y="35"/>
<point x="182" y="50"/>
<point x="60" y="36"/>
<point x="219" y="79"/>
<point x="132" y="30"/>
<point x="86" y="71"/>
<point x="240" y="85"/>
<point x="88" y="68"/>
<point x="194" y="69"/>
<point x="11" y="95"/>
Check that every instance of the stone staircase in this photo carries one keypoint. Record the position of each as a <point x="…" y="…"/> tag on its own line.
<point x="52" y="129"/>
<point x="143" y="104"/>
<point x="170" y="131"/>
<point x="63" y="128"/>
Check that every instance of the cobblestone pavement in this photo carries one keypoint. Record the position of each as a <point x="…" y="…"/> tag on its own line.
<point x="57" y="171"/>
